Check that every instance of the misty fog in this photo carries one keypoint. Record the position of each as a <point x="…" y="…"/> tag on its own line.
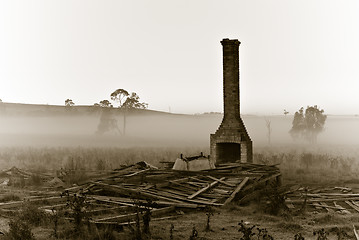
<point x="154" y="129"/>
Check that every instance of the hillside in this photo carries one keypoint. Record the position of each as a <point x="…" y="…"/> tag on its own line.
<point x="40" y="110"/>
<point x="46" y="125"/>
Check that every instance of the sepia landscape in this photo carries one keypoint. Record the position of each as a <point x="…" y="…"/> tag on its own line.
<point x="197" y="120"/>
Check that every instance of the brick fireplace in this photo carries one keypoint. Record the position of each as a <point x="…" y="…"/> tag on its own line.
<point x="231" y="142"/>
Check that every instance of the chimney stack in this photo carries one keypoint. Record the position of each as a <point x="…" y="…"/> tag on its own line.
<point x="231" y="78"/>
<point x="231" y="142"/>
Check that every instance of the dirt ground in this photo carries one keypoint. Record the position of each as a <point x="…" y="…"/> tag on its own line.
<point x="224" y="224"/>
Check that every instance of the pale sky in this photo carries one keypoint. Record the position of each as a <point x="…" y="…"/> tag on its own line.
<point x="293" y="53"/>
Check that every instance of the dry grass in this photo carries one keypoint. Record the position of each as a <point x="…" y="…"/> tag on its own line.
<point x="307" y="166"/>
<point x="87" y="158"/>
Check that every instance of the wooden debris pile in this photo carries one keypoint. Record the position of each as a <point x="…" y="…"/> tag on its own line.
<point x="168" y="190"/>
<point x="18" y="177"/>
<point x="117" y="197"/>
<point x="332" y="200"/>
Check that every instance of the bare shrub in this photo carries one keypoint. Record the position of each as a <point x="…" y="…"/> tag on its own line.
<point x="10" y="197"/>
<point x="19" y="230"/>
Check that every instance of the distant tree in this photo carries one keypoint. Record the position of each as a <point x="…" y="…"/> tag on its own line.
<point x="127" y="101"/>
<point x="69" y="103"/>
<point x="95" y="108"/>
<point x="307" y="125"/>
<point x="119" y="96"/>
<point x="2" y="107"/>
<point x="269" y="130"/>
<point x="105" y="103"/>
<point x="133" y="101"/>
<point x="285" y="112"/>
<point x="107" y="122"/>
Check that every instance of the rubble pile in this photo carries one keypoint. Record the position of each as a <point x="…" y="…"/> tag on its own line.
<point x="116" y="197"/>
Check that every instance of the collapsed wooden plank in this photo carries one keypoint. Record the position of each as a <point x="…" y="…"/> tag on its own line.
<point x="221" y="191"/>
<point x="263" y="168"/>
<point x="196" y="184"/>
<point x="183" y="187"/>
<point x="173" y="191"/>
<point x="256" y="184"/>
<point x="134" y="192"/>
<point x="109" y="201"/>
<point x="199" y="180"/>
<point x="131" y="216"/>
<point x="106" y="210"/>
<point x="183" y="199"/>
<point x="343" y="189"/>
<point x="328" y="195"/>
<point x="205" y="188"/>
<point x="136" y="173"/>
<point x="355" y="233"/>
<point x="326" y="206"/>
<point x="170" y="182"/>
<point x="355" y="203"/>
<point x="341" y="209"/>
<point x="322" y="200"/>
<point x="116" y="224"/>
<point x="320" y="206"/>
<point x="53" y="206"/>
<point x="121" y="201"/>
<point x="76" y="188"/>
<point x="352" y="206"/>
<point x="19" y="203"/>
<point x="239" y="187"/>
<point x="219" y="180"/>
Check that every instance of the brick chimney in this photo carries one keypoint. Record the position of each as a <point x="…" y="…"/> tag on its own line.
<point x="231" y="142"/>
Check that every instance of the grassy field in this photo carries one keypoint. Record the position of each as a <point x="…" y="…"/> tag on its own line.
<point x="308" y="166"/>
<point x="47" y="141"/>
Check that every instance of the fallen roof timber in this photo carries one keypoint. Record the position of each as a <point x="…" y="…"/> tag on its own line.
<point x="206" y="188"/>
<point x="210" y="187"/>
<point x="38" y="200"/>
<point x="131" y="216"/>
<point x="238" y="188"/>
<point x="116" y="197"/>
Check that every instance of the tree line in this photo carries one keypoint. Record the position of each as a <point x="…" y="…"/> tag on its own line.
<point x="307" y="125"/>
<point x="121" y="96"/>
<point x="125" y="100"/>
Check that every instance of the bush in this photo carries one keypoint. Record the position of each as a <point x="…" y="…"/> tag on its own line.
<point x="105" y="233"/>
<point x="321" y="234"/>
<point x="19" y="230"/>
<point x="275" y="200"/>
<point x="10" y="197"/>
<point x="36" y="180"/>
<point x="32" y="215"/>
<point x="78" y="205"/>
<point x="248" y="233"/>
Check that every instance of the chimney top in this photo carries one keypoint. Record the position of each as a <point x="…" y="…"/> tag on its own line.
<point x="230" y="41"/>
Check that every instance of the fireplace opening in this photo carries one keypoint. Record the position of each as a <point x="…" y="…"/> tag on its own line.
<point x="228" y="152"/>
